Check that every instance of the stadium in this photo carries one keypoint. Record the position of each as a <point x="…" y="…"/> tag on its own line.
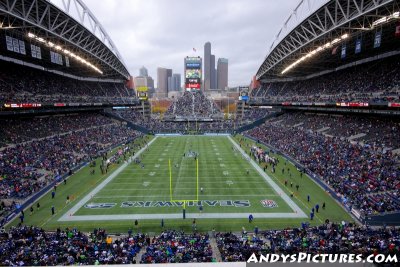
<point x="303" y="159"/>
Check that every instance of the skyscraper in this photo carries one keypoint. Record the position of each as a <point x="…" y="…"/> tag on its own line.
<point x="222" y="73"/>
<point x="176" y="81"/>
<point x="162" y="81"/>
<point x="207" y="66"/>
<point x="144" y="81"/>
<point x="213" y="72"/>
<point x="143" y="72"/>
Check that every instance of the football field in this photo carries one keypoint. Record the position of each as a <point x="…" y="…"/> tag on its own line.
<point x="207" y="176"/>
<point x="212" y="178"/>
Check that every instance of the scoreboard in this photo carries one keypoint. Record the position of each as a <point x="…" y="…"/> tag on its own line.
<point x="142" y="92"/>
<point x="243" y="94"/>
<point x="192" y="73"/>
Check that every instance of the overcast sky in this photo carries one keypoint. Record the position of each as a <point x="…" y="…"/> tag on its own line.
<point x="160" y="33"/>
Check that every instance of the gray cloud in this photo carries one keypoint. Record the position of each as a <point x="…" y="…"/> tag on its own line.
<point x="160" y="33"/>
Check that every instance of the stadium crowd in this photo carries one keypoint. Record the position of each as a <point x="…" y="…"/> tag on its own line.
<point x="51" y="147"/>
<point x="192" y="113"/>
<point x="329" y="238"/>
<point x="377" y="81"/>
<point x="193" y="104"/>
<point x="250" y="115"/>
<point x="19" y="130"/>
<point x="365" y="174"/>
<point x="157" y="125"/>
<point x="174" y="246"/>
<point x="37" y="86"/>
<point x="32" y="246"/>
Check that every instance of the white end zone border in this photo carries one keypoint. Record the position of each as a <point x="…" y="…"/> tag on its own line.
<point x="268" y="179"/>
<point x="69" y="215"/>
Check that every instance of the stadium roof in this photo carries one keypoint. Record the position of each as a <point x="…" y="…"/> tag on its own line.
<point x="53" y="26"/>
<point x="309" y="46"/>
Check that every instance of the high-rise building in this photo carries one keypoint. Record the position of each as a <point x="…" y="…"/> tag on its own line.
<point x="213" y="72"/>
<point x="162" y="81"/>
<point x="170" y="84"/>
<point x="144" y="81"/>
<point x="176" y="81"/>
<point x="207" y="66"/>
<point x="222" y="73"/>
<point x="143" y="72"/>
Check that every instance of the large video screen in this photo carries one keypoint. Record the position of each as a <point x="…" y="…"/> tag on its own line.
<point x="193" y="73"/>
<point x="193" y="65"/>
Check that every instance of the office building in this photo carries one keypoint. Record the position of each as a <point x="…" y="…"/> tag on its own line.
<point x="143" y="72"/>
<point x="222" y="73"/>
<point x="207" y="66"/>
<point x="162" y="81"/>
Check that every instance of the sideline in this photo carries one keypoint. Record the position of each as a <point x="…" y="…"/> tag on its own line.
<point x="297" y="212"/>
<point x="277" y="189"/>
<point x="82" y="202"/>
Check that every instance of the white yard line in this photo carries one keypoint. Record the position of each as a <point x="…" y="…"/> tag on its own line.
<point x="278" y="190"/>
<point x="219" y="182"/>
<point x="217" y="215"/>
<point x="167" y="197"/>
<point x="298" y="213"/>
<point x="183" y="188"/>
<point x="85" y="199"/>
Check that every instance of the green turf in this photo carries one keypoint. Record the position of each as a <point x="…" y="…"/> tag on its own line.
<point x="223" y="177"/>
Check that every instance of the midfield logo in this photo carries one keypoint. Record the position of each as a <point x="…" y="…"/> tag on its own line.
<point x="268" y="203"/>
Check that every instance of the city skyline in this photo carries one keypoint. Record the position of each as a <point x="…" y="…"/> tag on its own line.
<point x="215" y="74"/>
<point x="236" y="28"/>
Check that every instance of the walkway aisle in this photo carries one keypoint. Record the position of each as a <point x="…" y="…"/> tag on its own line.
<point x="216" y="254"/>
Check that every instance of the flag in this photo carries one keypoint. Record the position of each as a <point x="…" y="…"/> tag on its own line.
<point x="194" y="49"/>
<point x="377" y="40"/>
<point x="358" y="46"/>
<point x="397" y="32"/>
<point x="343" y="54"/>
<point x="334" y="50"/>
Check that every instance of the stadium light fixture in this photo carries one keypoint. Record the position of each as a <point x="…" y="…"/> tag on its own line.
<point x="316" y="51"/>
<point x="385" y="19"/>
<point x="65" y="51"/>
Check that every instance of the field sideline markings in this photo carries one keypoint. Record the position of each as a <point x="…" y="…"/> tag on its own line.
<point x="294" y="195"/>
<point x="269" y="180"/>
<point x="276" y="178"/>
<point x="98" y="188"/>
<point x="163" y="196"/>
<point x="152" y="216"/>
<point x="218" y="215"/>
<point x="248" y="180"/>
<point x="221" y="182"/>
<point x="180" y="188"/>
